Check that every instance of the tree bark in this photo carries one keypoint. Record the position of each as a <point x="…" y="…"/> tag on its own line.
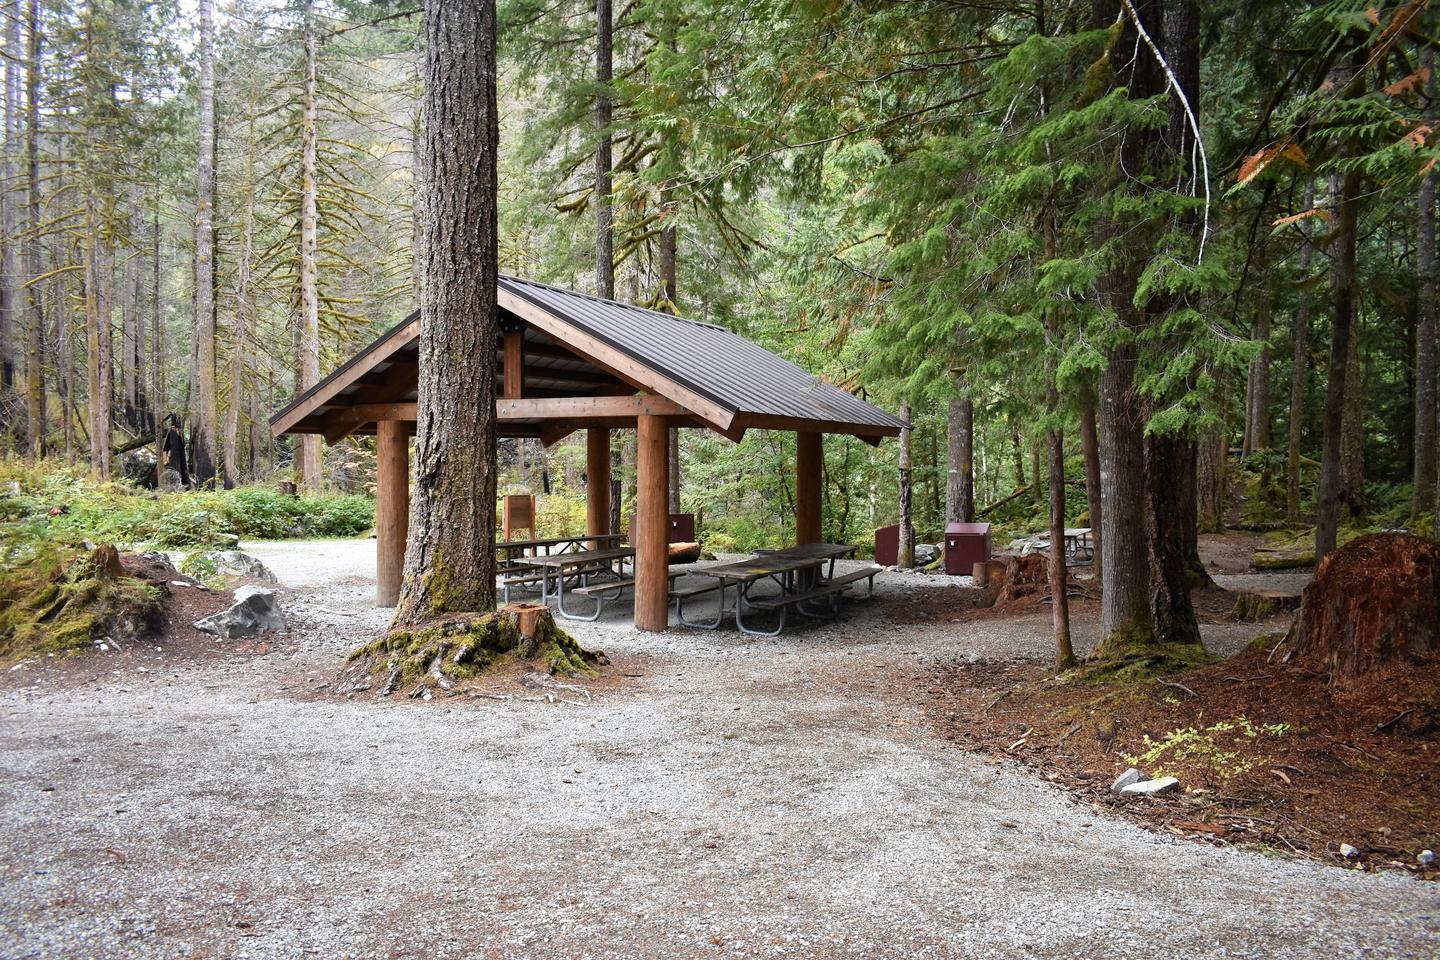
<point x="311" y="474"/>
<point x="35" y="315"/>
<point x="1342" y="309"/>
<point x="1212" y="453"/>
<point x="450" y="559"/>
<point x="1352" y="430"/>
<point x="1299" y="370"/>
<point x="905" y="550"/>
<point x="960" y="460"/>
<point x="670" y="290"/>
<point x="206" y="432"/>
<point x="1055" y="442"/>
<point x="1257" y="419"/>
<point x="1425" y="334"/>
<point x="1168" y="462"/>
<point x="244" y="306"/>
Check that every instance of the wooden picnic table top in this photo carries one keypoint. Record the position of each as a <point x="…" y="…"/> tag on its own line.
<point x="577" y="558"/>
<point x="556" y="541"/>
<point x="789" y="560"/>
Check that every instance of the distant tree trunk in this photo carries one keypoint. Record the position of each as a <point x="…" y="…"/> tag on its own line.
<point x="450" y="560"/>
<point x="905" y="553"/>
<point x="244" y="307"/>
<point x="159" y="401"/>
<point x="1425" y="333"/>
<point x="604" y="212"/>
<point x="1090" y="449"/>
<point x="1017" y="455"/>
<point x="1257" y="417"/>
<point x="309" y="459"/>
<point x="9" y="293"/>
<point x="1055" y="441"/>
<point x="670" y="289"/>
<point x="96" y="356"/>
<point x="1168" y="463"/>
<point x="206" y="432"/>
<point x="960" y="459"/>
<point x="35" y="325"/>
<point x="1212" y="451"/>
<point x="1352" y="430"/>
<point x="1299" y="370"/>
<point x="1342" y="310"/>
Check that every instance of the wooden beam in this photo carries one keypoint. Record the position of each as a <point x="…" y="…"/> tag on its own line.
<point x="652" y="549"/>
<point x="362" y="364"/>
<point x="392" y="509"/>
<point x="597" y="480"/>
<point x="394" y="384"/>
<point x="809" y="482"/>
<point x="610" y="358"/>
<point x="514" y="364"/>
<point x="585" y="408"/>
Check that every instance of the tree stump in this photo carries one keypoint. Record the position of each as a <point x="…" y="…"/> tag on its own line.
<point x="442" y="653"/>
<point x="1025" y="576"/>
<point x="1373" y="601"/>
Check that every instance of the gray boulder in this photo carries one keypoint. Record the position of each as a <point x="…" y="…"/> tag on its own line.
<point x="256" y="610"/>
<point x="1125" y="779"/>
<point x="235" y="563"/>
<point x="926" y="553"/>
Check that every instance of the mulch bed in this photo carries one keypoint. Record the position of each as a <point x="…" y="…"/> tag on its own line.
<point x="1280" y="758"/>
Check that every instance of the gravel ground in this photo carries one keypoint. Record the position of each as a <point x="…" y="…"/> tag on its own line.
<point x="736" y="798"/>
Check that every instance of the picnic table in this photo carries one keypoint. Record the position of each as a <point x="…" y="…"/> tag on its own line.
<point x="796" y="570"/>
<point x="581" y="565"/>
<point x="1078" y="546"/>
<point x="509" y="553"/>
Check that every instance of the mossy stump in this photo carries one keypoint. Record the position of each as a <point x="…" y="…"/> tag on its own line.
<point x="445" y="653"/>
<point x="58" y="604"/>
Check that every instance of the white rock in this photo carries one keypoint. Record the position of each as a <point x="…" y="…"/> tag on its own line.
<point x="256" y="610"/>
<point x="1426" y="858"/>
<point x="1150" y="788"/>
<point x="1125" y="779"/>
<point x="1348" y="852"/>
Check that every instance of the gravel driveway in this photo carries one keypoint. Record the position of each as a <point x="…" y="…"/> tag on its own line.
<point x="734" y="798"/>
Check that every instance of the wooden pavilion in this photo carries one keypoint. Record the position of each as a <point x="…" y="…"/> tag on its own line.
<point x="566" y="362"/>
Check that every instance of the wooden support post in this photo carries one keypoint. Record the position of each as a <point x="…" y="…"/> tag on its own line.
<point x="809" y="466"/>
<point x="597" y="480"/>
<point x="514" y="384"/>
<point x="392" y="508"/>
<point x="652" y="549"/>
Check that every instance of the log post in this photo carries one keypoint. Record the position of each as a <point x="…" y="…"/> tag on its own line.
<point x="808" y="482"/>
<point x="597" y="481"/>
<point x="513" y="387"/>
<point x="652" y="551"/>
<point x="392" y="508"/>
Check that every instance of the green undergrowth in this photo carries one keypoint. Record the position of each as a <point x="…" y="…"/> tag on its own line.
<point x="58" y="599"/>
<point x="1217" y="753"/>
<point x="457" y="649"/>
<point x="74" y="507"/>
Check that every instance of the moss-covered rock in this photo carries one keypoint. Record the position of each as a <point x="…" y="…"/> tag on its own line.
<point x="449" y="651"/>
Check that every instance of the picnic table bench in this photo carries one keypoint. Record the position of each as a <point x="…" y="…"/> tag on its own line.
<point x="797" y="571"/>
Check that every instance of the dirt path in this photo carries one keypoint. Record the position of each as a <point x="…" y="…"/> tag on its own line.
<point x="740" y="798"/>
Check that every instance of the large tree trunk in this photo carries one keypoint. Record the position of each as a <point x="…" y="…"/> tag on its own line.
<point x="1212" y="452"/>
<point x="1169" y="461"/>
<point x="1342" y="310"/>
<point x="1125" y="613"/>
<point x="1425" y="334"/>
<point x="1055" y="443"/>
<point x="203" y="444"/>
<point x="35" y="316"/>
<point x="670" y="289"/>
<point x="905" y="550"/>
<point x="450" y="560"/>
<point x="309" y="455"/>
<point x="1299" y="370"/>
<point x="1090" y="450"/>
<point x="960" y="459"/>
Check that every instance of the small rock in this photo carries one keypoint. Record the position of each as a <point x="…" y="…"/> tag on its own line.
<point x="1426" y="858"/>
<point x="256" y="610"/>
<point x="1125" y="779"/>
<point x="1348" y="852"/>
<point x="1150" y="788"/>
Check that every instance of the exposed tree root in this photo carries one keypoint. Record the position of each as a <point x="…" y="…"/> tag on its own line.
<point x="448" y="652"/>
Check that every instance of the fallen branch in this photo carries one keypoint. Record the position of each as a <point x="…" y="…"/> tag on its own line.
<point x="1178" y="686"/>
<point x="1395" y="719"/>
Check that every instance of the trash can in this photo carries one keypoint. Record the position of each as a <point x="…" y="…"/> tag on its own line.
<point x="966" y="544"/>
<point x="682" y="528"/>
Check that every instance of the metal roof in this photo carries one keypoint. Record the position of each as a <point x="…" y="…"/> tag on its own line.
<point x="729" y="382"/>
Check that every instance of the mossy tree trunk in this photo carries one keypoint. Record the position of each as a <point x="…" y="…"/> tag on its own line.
<point x="450" y="561"/>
